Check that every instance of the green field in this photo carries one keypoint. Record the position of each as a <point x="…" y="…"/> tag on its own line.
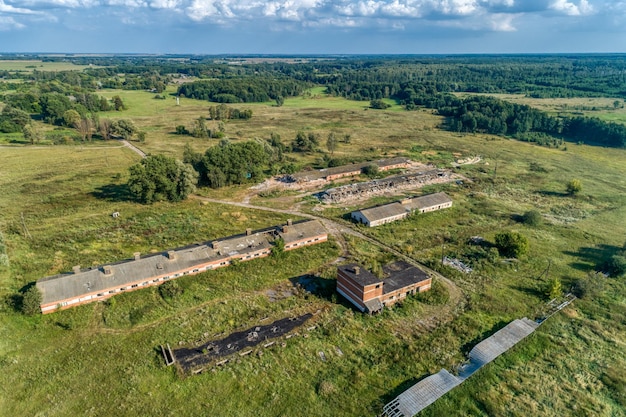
<point x="102" y="359"/>
<point x="30" y="66"/>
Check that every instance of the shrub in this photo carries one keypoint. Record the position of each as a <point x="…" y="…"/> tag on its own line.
<point x="170" y="289"/>
<point x="31" y="301"/>
<point x="512" y="244"/>
<point x="574" y="187"/>
<point x="532" y="218"/>
<point x="615" y="266"/>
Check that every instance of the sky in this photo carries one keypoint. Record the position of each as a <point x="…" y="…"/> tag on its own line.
<point x="312" y="26"/>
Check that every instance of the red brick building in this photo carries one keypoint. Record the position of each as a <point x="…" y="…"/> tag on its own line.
<point x="371" y="294"/>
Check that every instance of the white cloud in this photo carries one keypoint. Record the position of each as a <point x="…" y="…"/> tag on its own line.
<point x="165" y="4"/>
<point x="8" y="23"/>
<point x="571" y="9"/>
<point x="7" y="8"/>
<point x="501" y="22"/>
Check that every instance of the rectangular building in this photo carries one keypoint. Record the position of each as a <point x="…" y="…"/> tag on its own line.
<point x="94" y="284"/>
<point x="387" y="213"/>
<point x="370" y="294"/>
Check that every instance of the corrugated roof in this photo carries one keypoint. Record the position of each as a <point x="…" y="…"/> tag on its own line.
<point x="301" y="230"/>
<point x="386" y="211"/>
<point x="421" y="395"/>
<point x="501" y="341"/>
<point x="426" y="201"/>
<point x="70" y="286"/>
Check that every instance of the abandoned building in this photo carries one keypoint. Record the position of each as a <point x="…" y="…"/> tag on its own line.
<point x="370" y="294"/>
<point x="387" y="213"/>
<point x="380" y="186"/>
<point x="351" y="170"/>
<point x="95" y="284"/>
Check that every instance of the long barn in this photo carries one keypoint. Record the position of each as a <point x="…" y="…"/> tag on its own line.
<point x="95" y="284"/>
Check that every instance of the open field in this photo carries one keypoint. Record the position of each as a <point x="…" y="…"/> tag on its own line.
<point x="30" y="66"/>
<point x="600" y="107"/>
<point x="101" y="359"/>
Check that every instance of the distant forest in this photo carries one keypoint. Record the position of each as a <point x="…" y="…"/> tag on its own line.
<point x="412" y="81"/>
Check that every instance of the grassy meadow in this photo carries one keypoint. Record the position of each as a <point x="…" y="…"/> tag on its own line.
<point x="31" y="65"/>
<point x="102" y="359"/>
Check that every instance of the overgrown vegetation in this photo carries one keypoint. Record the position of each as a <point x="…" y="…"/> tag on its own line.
<point x="57" y="203"/>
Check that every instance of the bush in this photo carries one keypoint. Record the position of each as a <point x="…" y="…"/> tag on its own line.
<point x="574" y="187"/>
<point x="437" y="295"/>
<point x="532" y="218"/>
<point x="31" y="301"/>
<point x="170" y="289"/>
<point x="512" y="244"/>
<point x="615" y="266"/>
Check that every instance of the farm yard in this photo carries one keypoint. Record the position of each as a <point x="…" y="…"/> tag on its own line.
<point x="104" y="358"/>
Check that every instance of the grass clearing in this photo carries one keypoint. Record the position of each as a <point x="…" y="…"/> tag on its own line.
<point x="102" y="359"/>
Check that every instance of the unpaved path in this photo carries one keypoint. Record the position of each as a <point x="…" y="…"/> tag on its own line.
<point x="133" y="148"/>
<point x="453" y="306"/>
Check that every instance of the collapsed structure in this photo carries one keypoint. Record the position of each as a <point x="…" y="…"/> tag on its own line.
<point x="375" y="216"/>
<point x="351" y="170"/>
<point x="380" y="186"/>
<point x="95" y="284"/>
<point x="370" y="294"/>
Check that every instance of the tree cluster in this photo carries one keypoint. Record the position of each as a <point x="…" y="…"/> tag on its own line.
<point x="238" y="90"/>
<point x="161" y="178"/>
<point x="224" y="112"/>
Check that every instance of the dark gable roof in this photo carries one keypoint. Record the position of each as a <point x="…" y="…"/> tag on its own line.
<point x="364" y="277"/>
<point x="401" y="274"/>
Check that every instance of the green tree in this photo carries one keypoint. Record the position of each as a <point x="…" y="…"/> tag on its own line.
<point x="13" y="119"/>
<point x="347" y="138"/>
<point x="199" y="128"/>
<point x="31" y="301"/>
<point x="161" y="178"/>
<point x="280" y="100"/>
<point x="71" y="118"/>
<point x="554" y="289"/>
<point x="118" y="104"/>
<point x="574" y="187"/>
<point x="141" y="136"/>
<point x="124" y="128"/>
<point x="105" y="127"/>
<point x="512" y="244"/>
<point x="379" y="104"/>
<point x="331" y="143"/>
<point x="32" y="133"/>
<point x="181" y="130"/>
<point x="615" y="266"/>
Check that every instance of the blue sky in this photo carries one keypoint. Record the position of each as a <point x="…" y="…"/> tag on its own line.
<point x="312" y="26"/>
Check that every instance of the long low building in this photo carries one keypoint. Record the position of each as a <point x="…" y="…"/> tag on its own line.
<point x="387" y="213"/>
<point x="371" y="294"/>
<point x="95" y="284"/>
<point x="351" y="170"/>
